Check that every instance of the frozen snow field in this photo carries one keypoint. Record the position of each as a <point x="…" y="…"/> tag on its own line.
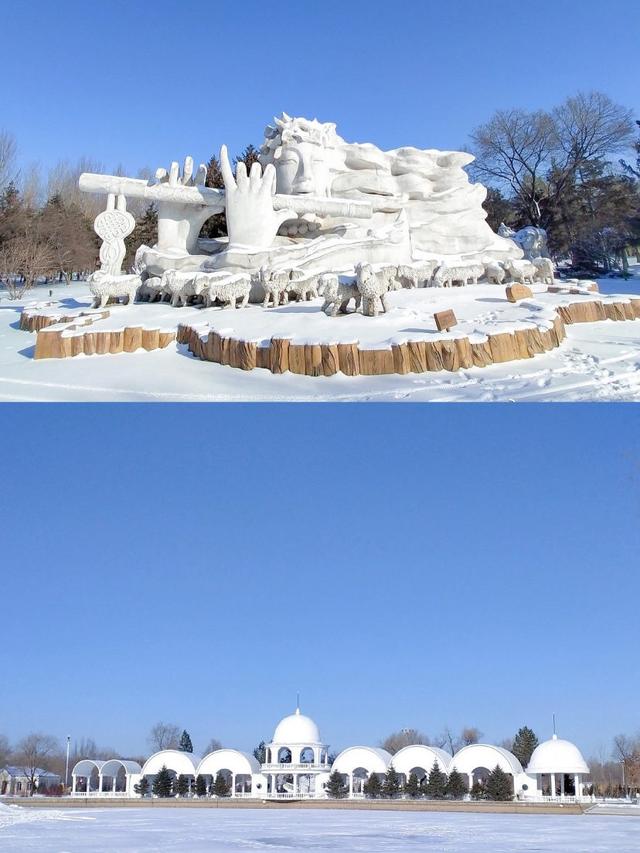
<point x="597" y="361"/>
<point x="216" y="830"/>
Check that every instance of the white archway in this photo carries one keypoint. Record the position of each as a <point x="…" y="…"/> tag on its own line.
<point x="369" y="758"/>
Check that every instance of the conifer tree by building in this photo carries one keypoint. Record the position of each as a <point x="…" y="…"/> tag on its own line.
<point x="163" y="783"/>
<point x="524" y="743"/>
<point x="456" y="785"/>
<point x="372" y="788"/>
<point x="185" y="742"/>
<point x="221" y="787"/>
<point x="411" y="787"/>
<point x="499" y="785"/>
<point x="336" y="786"/>
<point x="437" y="785"/>
<point x="391" y="786"/>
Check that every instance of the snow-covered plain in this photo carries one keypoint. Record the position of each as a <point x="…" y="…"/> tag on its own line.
<point x="597" y="361"/>
<point x="218" y="830"/>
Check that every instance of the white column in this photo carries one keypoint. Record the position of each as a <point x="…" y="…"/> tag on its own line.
<point x="553" y="784"/>
<point x="233" y="784"/>
<point x="295" y="784"/>
<point x="470" y="781"/>
<point x="350" y="785"/>
<point x="562" y="785"/>
<point x="576" y="783"/>
<point x="113" y="786"/>
<point x="74" y="780"/>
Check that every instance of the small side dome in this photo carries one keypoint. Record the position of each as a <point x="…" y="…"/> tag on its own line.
<point x="557" y="756"/>
<point x="296" y="728"/>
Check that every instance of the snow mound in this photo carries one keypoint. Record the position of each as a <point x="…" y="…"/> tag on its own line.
<point x="12" y="815"/>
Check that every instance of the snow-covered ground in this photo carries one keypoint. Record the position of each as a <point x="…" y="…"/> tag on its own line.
<point x="597" y="361"/>
<point x="225" y="830"/>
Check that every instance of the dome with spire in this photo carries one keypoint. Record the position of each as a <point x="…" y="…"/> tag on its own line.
<point x="557" y="756"/>
<point x="297" y="729"/>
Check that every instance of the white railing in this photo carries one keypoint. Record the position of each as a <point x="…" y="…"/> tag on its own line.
<point x="122" y="794"/>
<point x="269" y="768"/>
<point x="289" y="795"/>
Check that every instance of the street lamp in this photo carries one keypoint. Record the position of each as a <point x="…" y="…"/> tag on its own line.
<point x="66" y="766"/>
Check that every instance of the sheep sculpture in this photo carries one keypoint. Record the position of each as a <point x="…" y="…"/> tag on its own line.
<point x="105" y="288"/>
<point x="231" y="289"/>
<point x="446" y="276"/>
<point x="522" y="271"/>
<point x="180" y="286"/>
<point x="302" y="285"/>
<point x="415" y="275"/>
<point x="373" y="290"/>
<point x="150" y="290"/>
<point x="494" y="272"/>
<point x="338" y="294"/>
<point x="545" y="270"/>
<point x="275" y="284"/>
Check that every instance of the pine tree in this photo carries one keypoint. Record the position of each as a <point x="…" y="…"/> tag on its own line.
<point x="163" y="783"/>
<point x="456" y="785"/>
<point x="185" y="742"/>
<point x="411" y="787"/>
<point x="478" y="791"/>
<point x="499" y="785"/>
<point x="336" y="787"/>
<point x="201" y="786"/>
<point x="437" y="784"/>
<point x="372" y="788"/>
<point x="182" y="785"/>
<point x="142" y="787"/>
<point x="260" y="752"/>
<point x="221" y="787"/>
<point x="391" y="786"/>
<point x="523" y="745"/>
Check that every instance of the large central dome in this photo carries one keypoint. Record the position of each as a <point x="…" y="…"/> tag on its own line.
<point x="296" y="728"/>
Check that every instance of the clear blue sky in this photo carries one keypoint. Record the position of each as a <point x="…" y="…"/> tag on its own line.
<point x="139" y="83"/>
<point x="400" y="566"/>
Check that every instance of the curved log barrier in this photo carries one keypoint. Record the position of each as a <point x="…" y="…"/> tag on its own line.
<point x="59" y="341"/>
<point x="280" y="355"/>
<point x="33" y="321"/>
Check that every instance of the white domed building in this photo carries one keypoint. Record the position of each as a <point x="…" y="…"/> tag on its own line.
<point x="296" y="762"/>
<point x="558" y="768"/>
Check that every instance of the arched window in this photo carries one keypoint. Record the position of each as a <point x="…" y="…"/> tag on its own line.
<point x="419" y="773"/>
<point x="306" y="755"/>
<point x="284" y="755"/>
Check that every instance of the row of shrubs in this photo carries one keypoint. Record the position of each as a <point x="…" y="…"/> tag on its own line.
<point x="166" y="785"/>
<point x="436" y="785"/>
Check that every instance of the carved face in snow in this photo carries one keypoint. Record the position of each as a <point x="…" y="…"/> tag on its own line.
<point x="302" y="168"/>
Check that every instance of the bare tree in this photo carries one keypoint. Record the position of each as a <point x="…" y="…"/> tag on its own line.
<point x="33" y="753"/>
<point x="8" y="150"/>
<point x="5" y="750"/>
<point x="627" y="751"/>
<point x="213" y="744"/>
<point x="23" y="260"/>
<point x="405" y="737"/>
<point x="469" y="735"/>
<point x="164" y="736"/>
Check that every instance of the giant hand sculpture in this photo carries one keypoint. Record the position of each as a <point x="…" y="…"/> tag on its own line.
<point x="252" y="223"/>
<point x="178" y="223"/>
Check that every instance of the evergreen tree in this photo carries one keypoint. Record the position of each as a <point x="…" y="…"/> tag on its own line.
<point x="221" y="787"/>
<point x="260" y="752"/>
<point x="201" y="786"/>
<point x="456" y="785"/>
<point x="142" y="787"/>
<point x="437" y="784"/>
<point x="499" y="785"/>
<point x="336" y="787"/>
<point x="163" y="784"/>
<point x="144" y="234"/>
<point x="185" y="742"/>
<point x="372" y="788"/>
<point x="524" y="743"/>
<point x="391" y="786"/>
<point x="411" y="787"/>
<point x="182" y="785"/>
<point x="478" y="791"/>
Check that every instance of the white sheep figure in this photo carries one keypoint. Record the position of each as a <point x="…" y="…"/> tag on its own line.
<point x="104" y="287"/>
<point x="204" y="281"/>
<point x="445" y="275"/>
<point x="302" y="285"/>
<point x="181" y="285"/>
<point x="523" y="271"/>
<point x="230" y="290"/>
<point x="275" y="284"/>
<point x="545" y="270"/>
<point x="494" y="272"/>
<point x="338" y="294"/>
<point x="388" y="275"/>
<point x="150" y="290"/>
<point x="415" y="275"/>
<point x="372" y="290"/>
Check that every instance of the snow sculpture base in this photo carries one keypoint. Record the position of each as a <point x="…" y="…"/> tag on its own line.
<point x="301" y="339"/>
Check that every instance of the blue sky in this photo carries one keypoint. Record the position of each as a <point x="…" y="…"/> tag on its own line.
<point x="140" y="83"/>
<point x="399" y="566"/>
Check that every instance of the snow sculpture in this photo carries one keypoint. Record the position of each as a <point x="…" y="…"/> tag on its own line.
<point x="416" y="275"/>
<point x="445" y="275"/>
<point x="494" y="273"/>
<point x="180" y="286"/>
<point x="337" y="294"/>
<point x="545" y="270"/>
<point x="151" y="290"/>
<point x="523" y="271"/>
<point x="112" y="226"/>
<point x="533" y="242"/>
<point x="104" y="287"/>
<point x="231" y="289"/>
<point x="344" y="203"/>
<point x="275" y="284"/>
<point x="373" y="290"/>
<point x="302" y="285"/>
